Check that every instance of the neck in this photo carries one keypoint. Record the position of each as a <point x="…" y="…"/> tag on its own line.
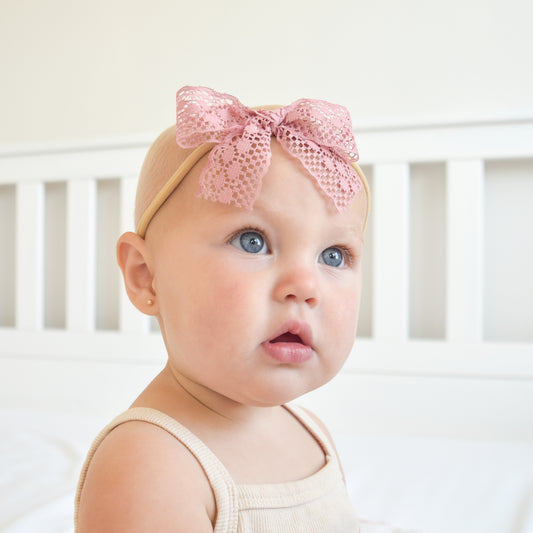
<point x="195" y="406"/>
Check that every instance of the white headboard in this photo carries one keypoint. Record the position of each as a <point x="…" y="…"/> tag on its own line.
<point x="445" y="345"/>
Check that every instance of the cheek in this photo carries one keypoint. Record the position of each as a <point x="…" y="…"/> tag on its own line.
<point x="343" y="318"/>
<point x="224" y="306"/>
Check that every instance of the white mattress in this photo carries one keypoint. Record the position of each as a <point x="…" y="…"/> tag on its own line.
<point x="419" y="485"/>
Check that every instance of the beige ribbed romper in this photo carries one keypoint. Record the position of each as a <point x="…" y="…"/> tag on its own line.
<point x="316" y="504"/>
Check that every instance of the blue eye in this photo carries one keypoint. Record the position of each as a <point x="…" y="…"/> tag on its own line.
<point x="333" y="257"/>
<point x="251" y="242"/>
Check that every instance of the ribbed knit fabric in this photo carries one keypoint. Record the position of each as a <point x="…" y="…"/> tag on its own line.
<point x="316" y="504"/>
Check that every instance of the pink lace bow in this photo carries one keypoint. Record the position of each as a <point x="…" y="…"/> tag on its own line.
<point x="316" y="132"/>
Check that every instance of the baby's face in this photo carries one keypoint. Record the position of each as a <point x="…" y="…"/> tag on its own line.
<point x="258" y="306"/>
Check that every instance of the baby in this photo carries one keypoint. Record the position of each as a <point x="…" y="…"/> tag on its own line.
<point x="250" y="232"/>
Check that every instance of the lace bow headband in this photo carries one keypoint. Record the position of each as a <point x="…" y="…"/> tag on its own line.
<point x="319" y="134"/>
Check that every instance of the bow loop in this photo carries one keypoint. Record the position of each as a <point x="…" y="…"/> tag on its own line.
<point x="203" y="115"/>
<point x="326" y="124"/>
<point x="317" y="133"/>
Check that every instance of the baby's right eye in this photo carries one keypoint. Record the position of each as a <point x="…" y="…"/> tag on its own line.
<point x="251" y="242"/>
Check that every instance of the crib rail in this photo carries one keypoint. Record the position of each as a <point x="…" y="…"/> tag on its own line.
<point x="78" y="283"/>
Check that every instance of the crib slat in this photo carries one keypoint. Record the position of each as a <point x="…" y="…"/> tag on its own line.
<point x="128" y="187"/>
<point x="81" y="255"/>
<point x="130" y="319"/>
<point x="29" y="256"/>
<point x="391" y="249"/>
<point x="464" y="285"/>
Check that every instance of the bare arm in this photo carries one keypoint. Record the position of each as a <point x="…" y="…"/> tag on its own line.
<point x="142" y="480"/>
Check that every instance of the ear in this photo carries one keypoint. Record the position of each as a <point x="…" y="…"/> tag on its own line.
<point x="132" y="257"/>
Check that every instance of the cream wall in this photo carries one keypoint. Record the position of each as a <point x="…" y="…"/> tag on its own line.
<point x="76" y="71"/>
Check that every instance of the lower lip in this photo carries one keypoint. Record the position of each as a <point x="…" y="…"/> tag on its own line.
<point x="289" y="353"/>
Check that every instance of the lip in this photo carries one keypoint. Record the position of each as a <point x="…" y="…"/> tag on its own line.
<point x="291" y="351"/>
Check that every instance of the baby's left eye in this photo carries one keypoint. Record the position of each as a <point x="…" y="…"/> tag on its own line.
<point x="333" y="256"/>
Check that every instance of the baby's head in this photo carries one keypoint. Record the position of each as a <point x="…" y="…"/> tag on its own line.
<point x="249" y="244"/>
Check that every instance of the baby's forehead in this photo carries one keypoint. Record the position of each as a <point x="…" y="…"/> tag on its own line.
<point x="289" y="197"/>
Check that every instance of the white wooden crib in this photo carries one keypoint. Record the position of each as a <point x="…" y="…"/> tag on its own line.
<point x="444" y="356"/>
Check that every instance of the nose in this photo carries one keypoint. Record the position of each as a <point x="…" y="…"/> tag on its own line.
<point x="299" y="285"/>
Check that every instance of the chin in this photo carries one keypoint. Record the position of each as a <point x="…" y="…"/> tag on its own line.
<point x="279" y="394"/>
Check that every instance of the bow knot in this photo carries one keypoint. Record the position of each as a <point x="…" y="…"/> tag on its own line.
<point x="273" y="117"/>
<point x="317" y="133"/>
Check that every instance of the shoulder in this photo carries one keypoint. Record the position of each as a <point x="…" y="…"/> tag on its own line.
<point x="318" y="422"/>
<point x="143" y="479"/>
<point x="323" y="428"/>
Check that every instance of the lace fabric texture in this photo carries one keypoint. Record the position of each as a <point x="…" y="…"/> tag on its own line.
<point x="319" y="134"/>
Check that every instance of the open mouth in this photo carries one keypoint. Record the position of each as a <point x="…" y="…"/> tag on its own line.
<point x="288" y="337"/>
<point x="292" y="344"/>
<point x="293" y="332"/>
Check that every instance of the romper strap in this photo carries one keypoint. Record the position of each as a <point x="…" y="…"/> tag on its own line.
<point x="313" y="428"/>
<point x="223" y="486"/>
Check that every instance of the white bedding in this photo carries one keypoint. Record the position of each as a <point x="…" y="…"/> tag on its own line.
<point x="422" y="485"/>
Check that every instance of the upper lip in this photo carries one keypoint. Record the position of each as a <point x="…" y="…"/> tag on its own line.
<point x="297" y="328"/>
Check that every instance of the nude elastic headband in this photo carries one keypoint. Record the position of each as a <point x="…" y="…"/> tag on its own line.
<point x="319" y="134"/>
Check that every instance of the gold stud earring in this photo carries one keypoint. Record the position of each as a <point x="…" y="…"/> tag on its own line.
<point x="150" y="301"/>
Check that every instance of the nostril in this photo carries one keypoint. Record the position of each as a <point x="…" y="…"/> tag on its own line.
<point x="311" y="301"/>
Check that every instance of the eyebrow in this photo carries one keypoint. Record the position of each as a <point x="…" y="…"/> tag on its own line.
<point x="351" y="234"/>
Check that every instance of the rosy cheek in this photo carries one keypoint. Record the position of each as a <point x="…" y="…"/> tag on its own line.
<point x="228" y="304"/>
<point x="345" y="318"/>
